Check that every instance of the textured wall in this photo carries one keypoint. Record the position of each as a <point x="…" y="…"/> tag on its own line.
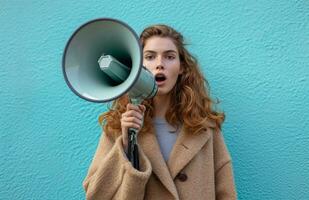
<point x="254" y="54"/>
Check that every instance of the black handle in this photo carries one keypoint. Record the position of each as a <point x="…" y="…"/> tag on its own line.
<point x="133" y="149"/>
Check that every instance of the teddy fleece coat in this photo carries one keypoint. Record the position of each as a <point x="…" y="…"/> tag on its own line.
<point x="199" y="167"/>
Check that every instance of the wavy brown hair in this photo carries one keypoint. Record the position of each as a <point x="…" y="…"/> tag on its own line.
<point x="190" y="103"/>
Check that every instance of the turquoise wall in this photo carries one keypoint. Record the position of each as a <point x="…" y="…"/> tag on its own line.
<point x="255" y="55"/>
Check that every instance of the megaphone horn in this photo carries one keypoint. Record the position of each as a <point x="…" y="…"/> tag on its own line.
<point x="103" y="60"/>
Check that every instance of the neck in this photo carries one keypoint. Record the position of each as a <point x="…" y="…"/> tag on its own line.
<point x="161" y="104"/>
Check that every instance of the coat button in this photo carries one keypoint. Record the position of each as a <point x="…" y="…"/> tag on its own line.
<point x="182" y="177"/>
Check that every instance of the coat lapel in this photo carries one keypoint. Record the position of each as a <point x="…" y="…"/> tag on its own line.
<point x="151" y="148"/>
<point x="186" y="147"/>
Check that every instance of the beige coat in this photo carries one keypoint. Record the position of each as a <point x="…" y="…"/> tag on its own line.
<point x="199" y="167"/>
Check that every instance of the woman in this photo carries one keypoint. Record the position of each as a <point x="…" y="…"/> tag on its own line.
<point x="181" y="149"/>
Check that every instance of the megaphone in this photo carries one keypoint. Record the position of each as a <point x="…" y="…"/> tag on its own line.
<point x="102" y="61"/>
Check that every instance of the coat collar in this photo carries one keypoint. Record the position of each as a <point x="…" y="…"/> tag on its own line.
<point x="185" y="148"/>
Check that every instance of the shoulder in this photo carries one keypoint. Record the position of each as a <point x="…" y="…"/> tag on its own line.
<point x="220" y="150"/>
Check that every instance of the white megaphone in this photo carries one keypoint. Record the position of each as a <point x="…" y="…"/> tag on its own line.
<point x="102" y="61"/>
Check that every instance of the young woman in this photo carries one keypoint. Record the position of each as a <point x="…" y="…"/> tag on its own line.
<point x="181" y="149"/>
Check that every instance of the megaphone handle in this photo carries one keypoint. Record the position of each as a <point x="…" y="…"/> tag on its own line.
<point x="136" y="157"/>
<point x="133" y="149"/>
<point x="132" y="146"/>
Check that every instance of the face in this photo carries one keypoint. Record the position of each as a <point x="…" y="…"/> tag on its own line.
<point x="161" y="57"/>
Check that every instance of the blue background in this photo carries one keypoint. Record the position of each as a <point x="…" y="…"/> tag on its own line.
<point x="255" y="55"/>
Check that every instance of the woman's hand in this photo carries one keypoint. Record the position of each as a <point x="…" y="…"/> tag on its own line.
<point x="132" y="118"/>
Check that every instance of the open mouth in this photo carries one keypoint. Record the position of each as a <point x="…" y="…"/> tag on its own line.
<point x="160" y="77"/>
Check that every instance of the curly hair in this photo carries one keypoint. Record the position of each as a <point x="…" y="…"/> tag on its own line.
<point x="190" y="103"/>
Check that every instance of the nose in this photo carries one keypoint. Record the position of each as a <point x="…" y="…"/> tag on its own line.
<point x="159" y="64"/>
<point x="160" y="67"/>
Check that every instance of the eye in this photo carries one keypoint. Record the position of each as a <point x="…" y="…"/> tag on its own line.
<point x="149" y="57"/>
<point x="170" y="57"/>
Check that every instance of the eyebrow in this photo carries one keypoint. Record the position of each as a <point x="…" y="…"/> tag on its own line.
<point x="168" y="51"/>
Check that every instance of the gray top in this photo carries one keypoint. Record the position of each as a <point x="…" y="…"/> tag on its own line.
<point x="166" y="136"/>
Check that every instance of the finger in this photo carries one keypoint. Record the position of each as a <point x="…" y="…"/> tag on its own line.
<point x="132" y="113"/>
<point x="133" y="119"/>
<point x="142" y="108"/>
<point x="132" y="125"/>
<point x="133" y="107"/>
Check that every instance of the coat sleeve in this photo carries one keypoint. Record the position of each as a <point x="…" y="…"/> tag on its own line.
<point x="112" y="176"/>
<point x="224" y="178"/>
